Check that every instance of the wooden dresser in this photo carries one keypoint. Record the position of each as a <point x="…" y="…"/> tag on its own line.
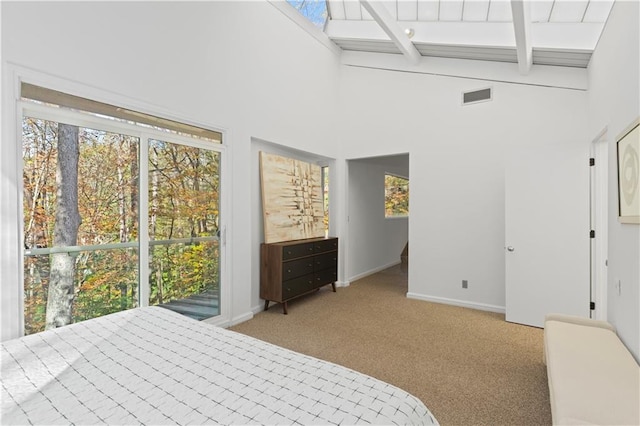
<point x="292" y="268"/>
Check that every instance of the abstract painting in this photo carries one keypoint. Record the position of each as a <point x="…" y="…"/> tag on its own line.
<point x="292" y="204"/>
<point x="629" y="174"/>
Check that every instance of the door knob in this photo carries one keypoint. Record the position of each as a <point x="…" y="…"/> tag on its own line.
<point x="510" y="248"/>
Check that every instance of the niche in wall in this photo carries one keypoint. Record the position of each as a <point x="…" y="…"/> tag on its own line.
<point x="292" y="203"/>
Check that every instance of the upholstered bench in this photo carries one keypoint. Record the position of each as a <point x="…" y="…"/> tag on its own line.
<point x="593" y="378"/>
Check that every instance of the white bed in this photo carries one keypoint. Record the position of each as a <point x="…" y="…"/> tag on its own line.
<point x="153" y="366"/>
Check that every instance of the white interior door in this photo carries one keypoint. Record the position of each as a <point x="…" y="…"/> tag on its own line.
<point x="547" y="233"/>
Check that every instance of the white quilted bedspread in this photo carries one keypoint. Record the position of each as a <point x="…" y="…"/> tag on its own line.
<point x="153" y="366"/>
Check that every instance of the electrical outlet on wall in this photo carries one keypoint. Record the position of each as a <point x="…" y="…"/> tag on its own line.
<point x="465" y="284"/>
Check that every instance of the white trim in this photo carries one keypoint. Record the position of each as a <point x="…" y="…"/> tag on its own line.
<point x="600" y="223"/>
<point x="241" y="318"/>
<point x="225" y="227"/>
<point x="144" y="269"/>
<point x="499" y="72"/>
<point x="343" y="283"/>
<point x="81" y="119"/>
<point x="225" y="323"/>
<point x="257" y="308"/>
<point x="61" y="84"/>
<point x="344" y="226"/>
<point x="11" y="237"/>
<point x="373" y="271"/>
<point x="457" y="302"/>
<point x="291" y="13"/>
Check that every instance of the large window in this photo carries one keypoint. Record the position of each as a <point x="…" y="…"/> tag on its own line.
<point x="116" y="215"/>
<point x="396" y="196"/>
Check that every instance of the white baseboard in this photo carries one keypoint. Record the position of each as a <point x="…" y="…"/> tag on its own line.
<point x="343" y="283"/>
<point x="456" y="302"/>
<point x="373" y="271"/>
<point x="241" y="318"/>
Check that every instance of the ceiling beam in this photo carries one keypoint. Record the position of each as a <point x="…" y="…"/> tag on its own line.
<point x="521" y="11"/>
<point x="393" y="30"/>
<point x="563" y="36"/>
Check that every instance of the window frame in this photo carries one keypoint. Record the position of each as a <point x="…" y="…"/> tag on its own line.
<point x="397" y="216"/>
<point x="22" y="108"/>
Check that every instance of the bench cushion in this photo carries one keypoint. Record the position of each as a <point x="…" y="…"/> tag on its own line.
<point x="593" y="379"/>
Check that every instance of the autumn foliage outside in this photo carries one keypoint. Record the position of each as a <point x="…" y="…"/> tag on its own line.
<point x="396" y="194"/>
<point x="100" y="254"/>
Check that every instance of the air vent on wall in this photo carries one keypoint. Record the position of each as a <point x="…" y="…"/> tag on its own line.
<point x="482" y="95"/>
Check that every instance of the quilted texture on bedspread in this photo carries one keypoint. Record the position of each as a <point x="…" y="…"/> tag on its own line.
<point x="153" y="366"/>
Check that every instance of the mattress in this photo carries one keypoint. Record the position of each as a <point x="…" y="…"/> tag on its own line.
<point x="153" y="366"/>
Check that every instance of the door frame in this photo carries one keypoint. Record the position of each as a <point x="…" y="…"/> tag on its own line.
<point x="599" y="218"/>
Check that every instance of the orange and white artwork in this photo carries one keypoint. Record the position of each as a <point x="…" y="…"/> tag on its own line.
<point x="292" y="204"/>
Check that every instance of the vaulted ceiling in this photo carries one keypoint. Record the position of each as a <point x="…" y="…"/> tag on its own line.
<point x="555" y="32"/>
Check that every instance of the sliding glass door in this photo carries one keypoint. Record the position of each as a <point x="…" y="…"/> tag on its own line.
<point x="184" y="205"/>
<point x="117" y="216"/>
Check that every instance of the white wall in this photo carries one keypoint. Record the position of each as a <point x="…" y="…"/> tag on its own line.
<point x="246" y="68"/>
<point x="240" y="66"/>
<point x="457" y="161"/>
<point x="614" y="102"/>
<point x="375" y="242"/>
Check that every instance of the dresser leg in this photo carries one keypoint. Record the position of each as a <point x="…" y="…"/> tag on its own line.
<point x="284" y="308"/>
<point x="266" y="305"/>
<point x="333" y="285"/>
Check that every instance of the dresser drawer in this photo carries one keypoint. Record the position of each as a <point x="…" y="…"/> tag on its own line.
<point x="297" y="286"/>
<point x="290" y="269"/>
<point x="325" y="245"/>
<point x="327" y="276"/>
<point x="325" y="261"/>
<point x="297" y="250"/>
<point x="297" y="268"/>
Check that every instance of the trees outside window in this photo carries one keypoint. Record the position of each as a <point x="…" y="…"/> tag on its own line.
<point x="82" y="204"/>
<point x="396" y="196"/>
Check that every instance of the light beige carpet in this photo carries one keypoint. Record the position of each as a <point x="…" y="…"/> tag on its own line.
<point x="469" y="367"/>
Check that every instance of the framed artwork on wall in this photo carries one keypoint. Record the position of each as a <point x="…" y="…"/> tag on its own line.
<point x="628" y="149"/>
<point x="292" y="203"/>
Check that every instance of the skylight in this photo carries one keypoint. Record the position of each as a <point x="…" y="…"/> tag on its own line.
<point x="314" y="10"/>
<point x="550" y="32"/>
<point x="541" y="32"/>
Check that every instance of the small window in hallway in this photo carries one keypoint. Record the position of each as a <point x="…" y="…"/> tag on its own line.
<point x="396" y="196"/>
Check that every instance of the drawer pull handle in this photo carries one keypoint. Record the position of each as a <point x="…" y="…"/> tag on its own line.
<point x="288" y="251"/>
<point x="288" y="270"/>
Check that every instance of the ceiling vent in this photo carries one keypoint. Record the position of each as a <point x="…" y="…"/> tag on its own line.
<point x="482" y="95"/>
